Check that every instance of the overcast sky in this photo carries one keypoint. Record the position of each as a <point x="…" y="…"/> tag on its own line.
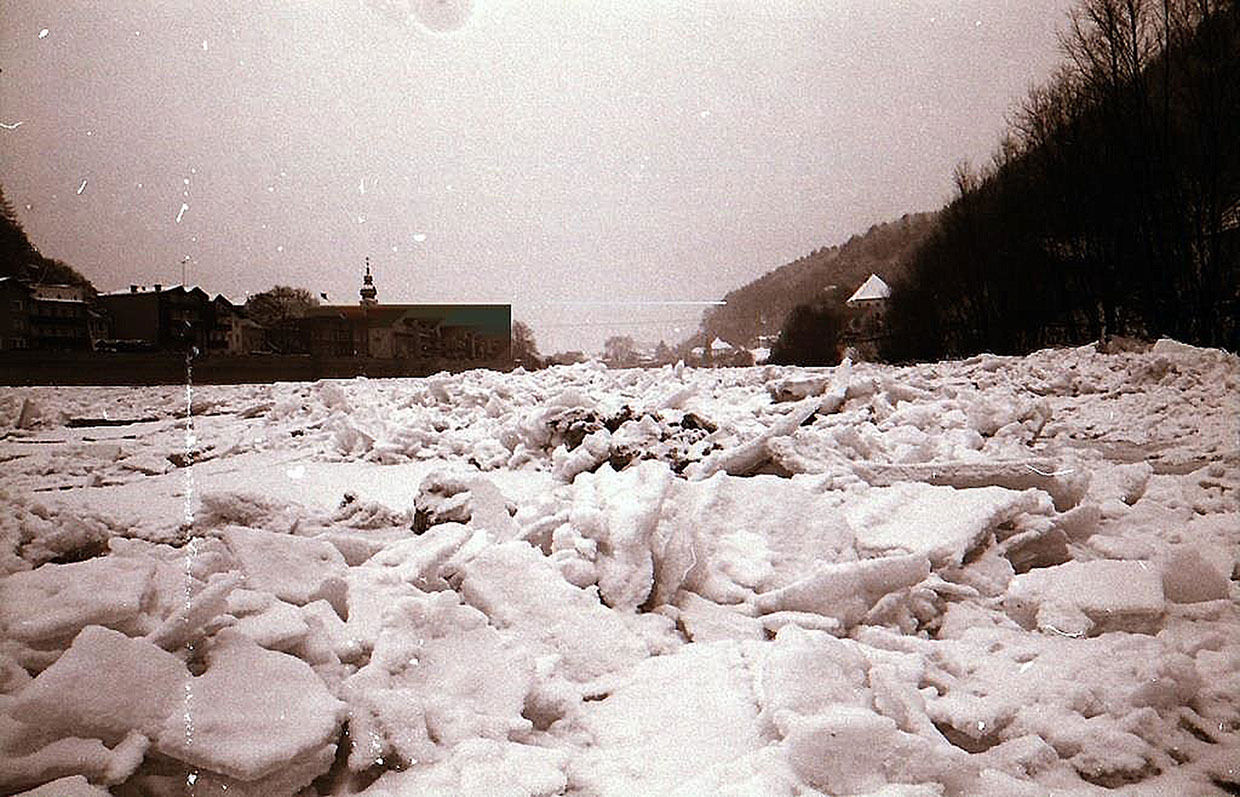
<point x="580" y="160"/>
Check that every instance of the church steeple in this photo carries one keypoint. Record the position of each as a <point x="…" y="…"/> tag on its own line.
<point x="368" y="292"/>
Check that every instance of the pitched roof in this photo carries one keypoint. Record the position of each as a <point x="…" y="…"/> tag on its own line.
<point x="143" y="290"/>
<point x="870" y="290"/>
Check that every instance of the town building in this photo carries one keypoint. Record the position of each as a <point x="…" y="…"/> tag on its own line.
<point x="165" y="318"/>
<point x="177" y="318"/>
<point x="458" y="332"/>
<point x="867" y="324"/>
<point x="234" y="332"/>
<point x="14" y="314"/>
<point x="44" y="316"/>
<point x="59" y="317"/>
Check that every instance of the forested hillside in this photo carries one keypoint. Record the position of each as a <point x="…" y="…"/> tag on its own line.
<point x="1112" y="205"/>
<point x="19" y="258"/>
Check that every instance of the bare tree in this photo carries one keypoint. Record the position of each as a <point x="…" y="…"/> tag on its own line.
<point x="524" y="348"/>
<point x="619" y="351"/>
<point x="280" y="305"/>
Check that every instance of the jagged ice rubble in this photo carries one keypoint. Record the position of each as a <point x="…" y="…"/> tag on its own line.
<point x="1002" y="575"/>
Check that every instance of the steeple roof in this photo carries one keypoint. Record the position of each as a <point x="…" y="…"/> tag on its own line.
<point x="368" y="292"/>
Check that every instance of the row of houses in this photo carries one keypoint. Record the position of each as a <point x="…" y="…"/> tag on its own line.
<point x="184" y="318"/>
<point x="177" y="318"/>
<point x="46" y="317"/>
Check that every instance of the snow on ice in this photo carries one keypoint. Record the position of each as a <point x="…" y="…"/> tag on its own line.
<point x="1003" y="575"/>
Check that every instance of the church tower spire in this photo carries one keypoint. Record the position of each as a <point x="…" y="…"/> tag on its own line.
<point x="368" y="292"/>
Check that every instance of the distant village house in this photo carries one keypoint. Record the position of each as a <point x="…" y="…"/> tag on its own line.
<point x="866" y="324"/>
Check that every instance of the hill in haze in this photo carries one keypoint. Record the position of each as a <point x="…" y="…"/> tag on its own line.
<point x="827" y="275"/>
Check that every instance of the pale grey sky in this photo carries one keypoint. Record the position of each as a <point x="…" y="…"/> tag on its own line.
<point x="538" y="152"/>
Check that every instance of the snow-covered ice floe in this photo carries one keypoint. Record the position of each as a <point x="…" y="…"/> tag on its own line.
<point x="997" y="576"/>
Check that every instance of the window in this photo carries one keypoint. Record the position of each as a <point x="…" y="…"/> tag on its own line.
<point x="18" y="304"/>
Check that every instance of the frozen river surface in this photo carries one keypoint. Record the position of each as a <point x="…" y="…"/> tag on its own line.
<point x="998" y="576"/>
